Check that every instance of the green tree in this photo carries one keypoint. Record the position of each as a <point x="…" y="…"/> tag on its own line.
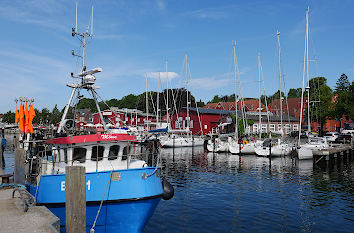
<point x="343" y="103"/>
<point x="200" y="104"/>
<point x="351" y="100"/>
<point x="294" y="93"/>
<point x="87" y="103"/>
<point x="321" y="106"/>
<point x="55" y="116"/>
<point x="216" y="99"/>
<point x="276" y="95"/>
<point x="9" y="117"/>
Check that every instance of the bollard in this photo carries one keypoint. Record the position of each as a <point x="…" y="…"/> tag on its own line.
<point x="75" y="205"/>
<point x="19" y="169"/>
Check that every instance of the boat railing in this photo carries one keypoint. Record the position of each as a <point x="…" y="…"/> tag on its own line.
<point x="39" y="164"/>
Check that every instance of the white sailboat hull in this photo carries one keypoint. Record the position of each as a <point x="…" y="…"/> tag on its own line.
<point x="218" y="146"/>
<point x="181" y="141"/>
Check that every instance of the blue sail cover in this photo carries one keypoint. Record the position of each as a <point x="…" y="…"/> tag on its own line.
<point x="159" y="130"/>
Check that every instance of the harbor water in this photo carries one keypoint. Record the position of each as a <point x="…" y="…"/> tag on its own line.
<point x="231" y="193"/>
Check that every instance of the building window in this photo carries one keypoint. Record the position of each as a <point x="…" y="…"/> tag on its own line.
<point x="295" y="127"/>
<point x="264" y="128"/>
<point x="248" y="129"/>
<point x="255" y="128"/>
<point x="272" y="127"/>
<point x="179" y="123"/>
<point x="287" y="128"/>
<point x="189" y="122"/>
<point x="279" y="127"/>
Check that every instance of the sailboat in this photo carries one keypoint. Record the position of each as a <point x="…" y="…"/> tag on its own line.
<point x="181" y="137"/>
<point x="234" y="146"/>
<point x="122" y="192"/>
<point x="305" y="151"/>
<point x="279" y="148"/>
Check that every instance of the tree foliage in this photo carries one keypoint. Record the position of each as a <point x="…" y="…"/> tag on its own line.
<point x="321" y="106"/>
<point x="294" y="92"/>
<point x="343" y="91"/>
<point x="9" y="117"/>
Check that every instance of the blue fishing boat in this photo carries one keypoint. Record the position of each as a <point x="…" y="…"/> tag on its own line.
<point x="122" y="191"/>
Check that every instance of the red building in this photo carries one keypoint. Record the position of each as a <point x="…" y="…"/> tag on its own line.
<point x="251" y="105"/>
<point x="209" y="120"/>
<point x="125" y="117"/>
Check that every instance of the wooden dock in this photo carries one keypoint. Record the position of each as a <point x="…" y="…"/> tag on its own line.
<point x="338" y="154"/>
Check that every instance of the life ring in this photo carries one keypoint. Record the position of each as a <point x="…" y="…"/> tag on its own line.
<point x="245" y="142"/>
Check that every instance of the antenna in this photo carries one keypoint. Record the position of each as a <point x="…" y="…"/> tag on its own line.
<point x="76" y="16"/>
<point x="92" y="21"/>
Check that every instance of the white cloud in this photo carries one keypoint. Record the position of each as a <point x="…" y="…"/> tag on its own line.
<point x="162" y="75"/>
<point x="38" y="12"/>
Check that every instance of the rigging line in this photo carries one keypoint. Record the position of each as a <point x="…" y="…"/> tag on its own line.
<point x="243" y="109"/>
<point x="265" y="98"/>
<point x="152" y="102"/>
<point x="196" y="106"/>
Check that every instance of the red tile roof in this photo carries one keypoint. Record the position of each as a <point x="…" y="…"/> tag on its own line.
<point x="251" y="105"/>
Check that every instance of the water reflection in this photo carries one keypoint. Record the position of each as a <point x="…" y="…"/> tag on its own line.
<point x="230" y="193"/>
<point x="9" y="154"/>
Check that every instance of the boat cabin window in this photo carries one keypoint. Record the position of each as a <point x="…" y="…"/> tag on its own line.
<point x="113" y="152"/>
<point x="66" y="155"/>
<point x="79" y="154"/>
<point x="58" y="159"/>
<point x="97" y="153"/>
<point x="125" y="152"/>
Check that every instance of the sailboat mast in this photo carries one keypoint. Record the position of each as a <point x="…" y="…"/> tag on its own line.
<point x="235" y="72"/>
<point x="259" y="100"/>
<point x="167" y="107"/>
<point x="147" y="103"/>
<point x="158" y="101"/>
<point x="280" y="77"/>
<point x="187" y="89"/>
<point x="307" y="72"/>
<point x="303" y="78"/>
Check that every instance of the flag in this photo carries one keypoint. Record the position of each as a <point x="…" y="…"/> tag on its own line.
<point x="21" y="118"/>
<point x="16" y="115"/>
<point x="27" y="118"/>
<point x="32" y="114"/>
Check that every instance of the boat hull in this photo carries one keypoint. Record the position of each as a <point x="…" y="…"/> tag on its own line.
<point x="181" y="142"/>
<point x="121" y="216"/>
<point x="128" y="202"/>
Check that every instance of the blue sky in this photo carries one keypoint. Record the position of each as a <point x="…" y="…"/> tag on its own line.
<point x="136" y="37"/>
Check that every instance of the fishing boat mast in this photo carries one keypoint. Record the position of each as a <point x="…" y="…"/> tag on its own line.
<point x="86" y="77"/>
